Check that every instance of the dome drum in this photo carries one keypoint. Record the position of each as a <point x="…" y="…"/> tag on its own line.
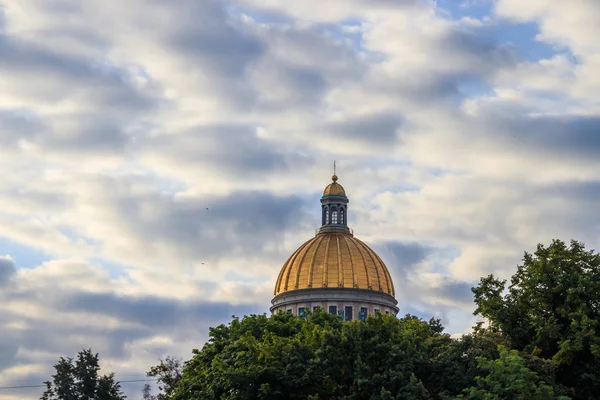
<point x="345" y="302"/>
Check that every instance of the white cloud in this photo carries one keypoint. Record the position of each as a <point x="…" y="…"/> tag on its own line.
<point x="166" y="159"/>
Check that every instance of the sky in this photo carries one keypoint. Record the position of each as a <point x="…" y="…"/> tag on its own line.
<point x="160" y="160"/>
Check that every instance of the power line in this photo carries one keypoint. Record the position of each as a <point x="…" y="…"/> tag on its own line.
<point x="38" y="386"/>
<point x="126" y="377"/>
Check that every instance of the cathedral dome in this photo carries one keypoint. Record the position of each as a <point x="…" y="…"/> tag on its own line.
<point x="334" y="270"/>
<point x="334" y="260"/>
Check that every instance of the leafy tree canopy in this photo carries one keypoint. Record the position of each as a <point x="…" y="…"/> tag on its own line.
<point x="285" y="357"/>
<point x="508" y="378"/>
<point x="551" y="309"/>
<point x="79" y="379"/>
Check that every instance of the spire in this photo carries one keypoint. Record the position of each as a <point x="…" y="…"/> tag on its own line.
<point x="334" y="177"/>
<point x="334" y="204"/>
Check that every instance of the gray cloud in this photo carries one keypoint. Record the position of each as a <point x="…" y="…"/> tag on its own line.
<point x="334" y="11"/>
<point x="306" y="62"/>
<point x="419" y="290"/>
<point x="248" y="218"/>
<point x="140" y="321"/>
<point x="45" y="336"/>
<point x="390" y="3"/>
<point x="406" y="255"/>
<point x="447" y="62"/>
<point x="571" y="137"/>
<point x="16" y="125"/>
<point x="584" y="193"/>
<point x="241" y="223"/>
<point x="156" y="312"/>
<point x="298" y="86"/>
<point x="7" y="270"/>
<point x="449" y="302"/>
<point x="206" y="37"/>
<point x="53" y="76"/>
<point x="232" y="148"/>
<point x="8" y="352"/>
<point x="472" y="44"/>
<point x="104" y="100"/>
<point x="89" y="134"/>
<point x="210" y="48"/>
<point x="458" y="291"/>
<point x="9" y="343"/>
<point x="378" y="128"/>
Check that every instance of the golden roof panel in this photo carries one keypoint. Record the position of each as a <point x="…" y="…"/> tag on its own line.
<point x="334" y="188"/>
<point x="334" y="260"/>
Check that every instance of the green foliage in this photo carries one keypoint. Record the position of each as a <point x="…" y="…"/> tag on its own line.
<point x="551" y="310"/>
<point x="80" y="380"/>
<point x="284" y="357"/>
<point x="168" y="374"/>
<point x="508" y="378"/>
<point x="455" y="366"/>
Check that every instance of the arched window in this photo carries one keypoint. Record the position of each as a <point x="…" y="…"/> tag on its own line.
<point x="342" y="216"/>
<point x="326" y="216"/>
<point x="334" y="215"/>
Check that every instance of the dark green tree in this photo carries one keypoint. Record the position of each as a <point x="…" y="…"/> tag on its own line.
<point x="80" y="380"/>
<point x="551" y="310"/>
<point x="285" y="357"/>
<point x="454" y="364"/>
<point x="508" y="378"/>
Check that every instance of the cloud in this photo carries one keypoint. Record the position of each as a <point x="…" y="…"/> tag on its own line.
<point x="225" y="149"/>
<point x="194" y="228"/>
<point x="8" y="349"/>
<point x="168" y="158"/>
<point x="58" y="308"/>
<point x="336" y="10"/>
<point x="217" y="47"/>
<point x="155" y="312"/>
<point x="408" y="255"/>
<point x="576" y="28"/>
<point x="7" y="269"/>
<point x="382" y="129"/>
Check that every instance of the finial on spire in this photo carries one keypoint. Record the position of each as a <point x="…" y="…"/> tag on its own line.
<point x="334" y="177"/>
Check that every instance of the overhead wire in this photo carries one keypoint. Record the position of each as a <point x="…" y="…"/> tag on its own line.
<point x="39" y="386"/>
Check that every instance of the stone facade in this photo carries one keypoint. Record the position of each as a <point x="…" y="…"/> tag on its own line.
<point x="308" y="299"/>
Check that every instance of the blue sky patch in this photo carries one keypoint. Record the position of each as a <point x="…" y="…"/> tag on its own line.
<point x="23" y="255"/>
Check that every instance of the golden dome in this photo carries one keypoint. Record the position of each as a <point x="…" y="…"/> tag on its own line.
<point x="334" y="260"/>
<point x="334" y="187"/>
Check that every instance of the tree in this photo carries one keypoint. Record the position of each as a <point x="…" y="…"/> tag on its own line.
<point x="80" y="380"/>
<point x="168" y="372"/>
<point x="508" y="379"/>
<point x="319" y="357"/>
<point x="551" y="310"/>
<point x="455" y="365"/>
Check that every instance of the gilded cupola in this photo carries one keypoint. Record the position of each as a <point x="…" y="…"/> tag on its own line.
<point x="334" y="258"/>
